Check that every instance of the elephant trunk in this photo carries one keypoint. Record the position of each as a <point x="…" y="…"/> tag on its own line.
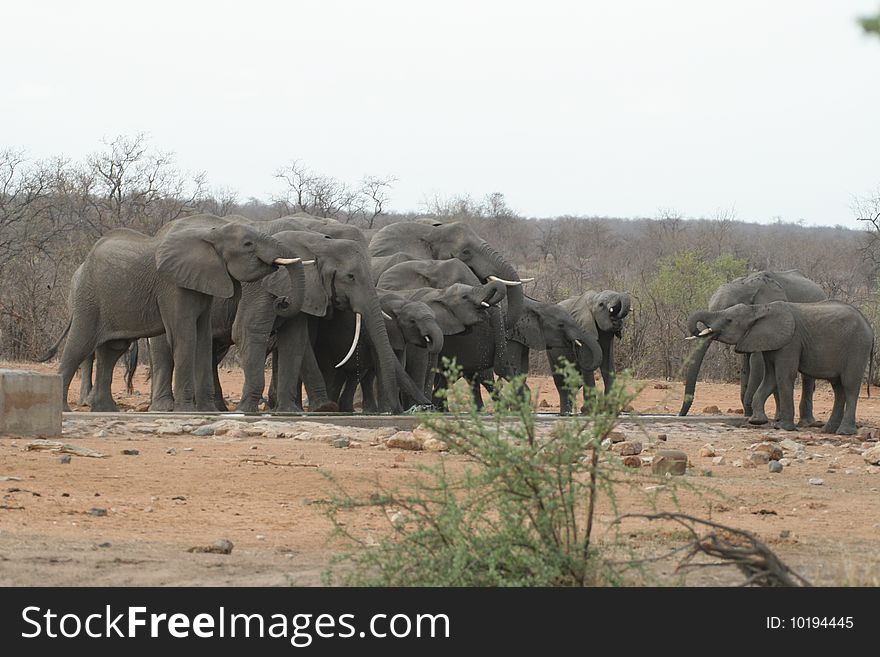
<point x="588" y="353"/>
<point x="289" y="306"/>
<point x="434" y="342"/>
<point x="695" y="360"/>
<point x="503" y="269"/>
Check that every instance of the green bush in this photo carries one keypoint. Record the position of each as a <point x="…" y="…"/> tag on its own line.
<point x="521" y="515"/>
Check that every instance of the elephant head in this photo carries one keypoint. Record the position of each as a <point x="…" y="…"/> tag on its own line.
<point x="757" y="288"/>
<point x="413" y="322"/>
<point x="751" y="328"/>
<point x="439" y="241"/>
<point x="458" y="306"/>
<point x="206" y="254"/>
<point x="545" y="326"/>
<point x="341" y="281"/>
<point x="600" y="311"/>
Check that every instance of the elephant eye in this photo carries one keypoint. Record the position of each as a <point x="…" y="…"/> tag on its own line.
<point x="248" y="243"/>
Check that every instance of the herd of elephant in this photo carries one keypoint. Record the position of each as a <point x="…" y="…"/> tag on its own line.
<point x="338" y="311"/>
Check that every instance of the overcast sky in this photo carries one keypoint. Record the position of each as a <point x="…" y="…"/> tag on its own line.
<point x="624" y="108"/>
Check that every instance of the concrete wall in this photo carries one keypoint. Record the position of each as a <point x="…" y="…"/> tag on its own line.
<point x="30" y="403"/>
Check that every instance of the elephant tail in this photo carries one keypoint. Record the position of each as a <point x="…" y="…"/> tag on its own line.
<point x="871" y="367"/>
<point x="54" y="348"/>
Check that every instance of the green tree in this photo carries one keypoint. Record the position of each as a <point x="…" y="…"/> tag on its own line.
<point x="871" y="24"/>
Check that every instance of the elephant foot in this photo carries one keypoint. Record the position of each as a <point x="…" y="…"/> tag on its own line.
<point x="163" y="404"/>
<point x="786" y="425"/>
<point x="220" y="405"/>
<point x="810" y="422"/>
<point x="185" y="407"/>
<point x="246" y="406"/>
<point x="325" y="407"/>
<point x="65" y="407"/>
<point x="104" y="406"/>
<point x="758" y="419"/>
<point x="846" y="430"/>
<point x="289" y="408"/>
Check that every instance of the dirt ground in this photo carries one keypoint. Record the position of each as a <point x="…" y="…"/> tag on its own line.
<point x="266" y="495"/>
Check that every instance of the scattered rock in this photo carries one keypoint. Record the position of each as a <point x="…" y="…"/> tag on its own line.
<point x="543" y="404"/>
<point x="404" y="440"/>
<point x="435" y="445"/>
<point x="616" y="437"/>
<point x="758" y="458"/>
<point x="734" y="411"/>
<point x="785" y="462"/>
<point x="790" y="445"/>
<point x="661" y="437"/>
<point x="771" y="438"/>
<point x="105" y="544"/>
<point x="627" y="448"/>
<point x="220" y="546"/>
<point x="171" y="450"/>
<point x="872" y="456"/>
<point x="775" y="466"/>
<point x="868" y="433"/>
<point x="398" y="519"/>
<point x="815" y="481"/>
<point x="707" y="451"/>
<point x="64" y="459"/>
<point x="130" y="452"/>
<point x="400" y="458"/>
<point x="342" y="441"/>
<point x="661" y="386"/>
<point x="718" y="460"/>
<point x="206" y="430"/>
<point x="632" y="461"/>
<point x="712" y="410"/>
<point x="737" y="463"/>
<point x="98" y="512"/>
<point x="670" y="461"/>
<point x="774" y="452"/>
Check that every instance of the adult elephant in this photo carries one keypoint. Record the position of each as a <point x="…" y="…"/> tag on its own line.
<point x="339" y="284"/>
<point x="756" y="288"/>
<point x="475" y="351"/>
<point x="601" y="314"/>
<point x="173" y="278"/>
<point x="826" y="340"/>
<point x="549" y="327"/>
<point x="440" y="241"/>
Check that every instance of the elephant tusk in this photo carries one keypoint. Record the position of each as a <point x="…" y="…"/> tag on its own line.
<point x="508" y="283"/>
<point x="309" y="262"/>
<point x="354" y="343"/>
<point x="427" y="339"/>
<point x="579" y="343"/>
<point x="704" y="332"/>
<point x="485" y="305"/>
<point x="691" y="337"/>
<point x="387" y="316"/>
<point x="527" y="280"/>
<point x="285" y="261"/>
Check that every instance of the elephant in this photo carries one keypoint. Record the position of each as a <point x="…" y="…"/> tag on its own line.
<point x="438" y="241"/>
<point x="476" y="351"/>
<point x="757" y="288"/>
<point x="416" y="338"/>
<point x="173" y="276"/>
<point x="601" y="314"/>
<point x="823" y="340"/>
<point x="328" y="226"/>
<point x="338" y="286"/>
<point x="381" y="264"/>
<point x="550" y="327"/>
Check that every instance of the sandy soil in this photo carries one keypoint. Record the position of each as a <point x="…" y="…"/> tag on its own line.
<point x="265" y="496"/>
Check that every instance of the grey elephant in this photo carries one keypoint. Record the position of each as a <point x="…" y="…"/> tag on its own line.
<point x="438" y="241"/>
<point x="602" y="315"/>
<point x="475" y="351"/>
<point x="757" y="288"/>
<point x="823" y="340"/>
<point x="174" y="277"/>
<point x="549" y="327"/>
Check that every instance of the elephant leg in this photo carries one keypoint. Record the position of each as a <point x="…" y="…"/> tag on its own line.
<point x="765" y="389"/>
<point x="287" y="366"/>
<point x="106" y="357"/>
<point x="441" y="382"/>
<point x="753" y="368"/>
<point x="476" y="380"/>
<point x="745" y="395"/>
<point x="836" y="417"/>
<point x="219" y="352"/>
<point x="785" y="376"/>
<point x="161" y="368"/>
<point x="204" y="364"/>
<point x="252" y="350"/>
<point x="346" y="397"/>
<point x="79" y="346"/>
<point x="851" y="387"/>
<point x="564" y="400"/>
<point x="805" y="410"/>
<point x="85" y="384"/>
<point x="368" y="390"/>
<point x="590" y="390"/>
<point x="313" y="380"/>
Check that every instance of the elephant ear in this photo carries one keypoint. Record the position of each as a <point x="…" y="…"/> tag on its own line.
<point x="317" y="297"/>
<point x="188" y="258"/>
<point x="579" y="308"/>
<point x="768" y="291"/>
<point x="446" y="319"/>
<point x="772" y="330"/>
<point x="278" y="283"/>
<point x="527" y="331"/>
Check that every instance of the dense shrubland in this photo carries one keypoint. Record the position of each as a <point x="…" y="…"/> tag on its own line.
<point x="52" y="212"/>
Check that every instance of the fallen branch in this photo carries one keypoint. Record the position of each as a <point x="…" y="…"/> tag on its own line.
<point x="63" y="448"/>
<point x="735" y="547"/>
<point x="288" y="465"/>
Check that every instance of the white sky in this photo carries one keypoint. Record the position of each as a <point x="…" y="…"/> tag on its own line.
<point x="601" y="108"/>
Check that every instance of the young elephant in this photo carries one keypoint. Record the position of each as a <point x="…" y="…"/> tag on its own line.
<point x="825" y="340"/>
